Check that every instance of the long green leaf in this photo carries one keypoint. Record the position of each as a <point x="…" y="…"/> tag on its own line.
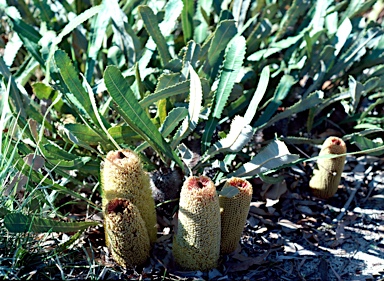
<point x="84" y="134"/>
<point x="201" y="31"/>
<point x="296" y="10"/>
<point x="233" y="61"/>
<point x="194" y="108"/>
<point x="176" y="89"/>
<point x="224" y="33"/>
<point x="15" y="100"/>
<point x="98" y="30"/>
<point x="19" y="223"/>
<point x="309" y="102"/>
<point x="150" y="23"/>
<point x="28" y="35"/>
<point x="131" y="111"/>
<point x="187" y="19"/>
<point x="272" y="156"/>
<point x="77" y="95"/>
<point x="258" y="95"/>
<point x="238" y="136"/>
<point x="281" y="92"/>
<point x="74" y="23"/>
<point x="170" y="123"/>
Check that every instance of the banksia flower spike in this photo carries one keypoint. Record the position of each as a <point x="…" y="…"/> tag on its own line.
<point x="122" y="176"/>
<point x="234" y="213"/>
<point x="127" y="235"/>
<point x="326" y="179"/>
<point x="196" y="244"/>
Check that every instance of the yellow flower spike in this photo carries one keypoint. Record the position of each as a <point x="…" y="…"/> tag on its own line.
<point x="326" y="178"/>
<point x="122" y="176"/>
<point x="196" y="244"/>
<point x="234" y="213"/>
<point x="127" y="235"/>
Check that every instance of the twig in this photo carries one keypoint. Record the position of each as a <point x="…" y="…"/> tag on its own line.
<point x="346" y="205"/>
<point x="334" y="272"/>
<point x="372" y="185"/>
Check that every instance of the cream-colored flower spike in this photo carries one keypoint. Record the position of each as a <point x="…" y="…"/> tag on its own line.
<point x="127" y="235"/>
<point x="326" y="179"/>
<point x="196" y="244"/>
<point x="234" y="213"/>
<point x="122" y="176"/>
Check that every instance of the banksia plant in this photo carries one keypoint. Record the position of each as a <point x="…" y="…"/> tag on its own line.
<point x="196" y="244"/>
<point x="234" y="211"/>
<point x="127" y="234"/>
<point x="122" y="176"/>
<point x="326" y="178"/>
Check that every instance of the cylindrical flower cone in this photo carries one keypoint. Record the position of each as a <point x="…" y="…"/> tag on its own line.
<point x="234" y="213"/>
<point x="196" y="244"/>
<point x="122" y="176"/>
<point x="127" y="234"/>
<point x="326" y="178"/>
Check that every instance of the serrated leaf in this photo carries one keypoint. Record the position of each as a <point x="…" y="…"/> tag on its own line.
<point x="224" y="33"/>
<point x="172" y="9"/>
<point x="170" y="123"/>
<point x="151" y="25"/>
<point x="77" y="95"/>
<point x="342" y="35"/>
<point x="363" y="133"/>
<point x="233" y="61"/>
<point x="27" y="34"/>
<point x="187" y="157"/>
<point x="61" y="158"/>
<point x="167" y="80"/>
<point x="239" y="135"/>
<point x="364" y="143"/>
<point x="194" y="108"/>
<point x="84" y="134"/>
<point x="295" y="11"/>
<point x="201" y="16"/>
<point x="123" y="134"/>
<point x="98" y="32"/>
<point x="274" y="155"/>
<point x="19" y="223"/>
<point x="281" y="92"/>
<point x="11" y="49"/>
<point x="191" y="57"/>
<point x="356" y="89"/>
<point x="15" y="101"/>
<point x="68" y="28"/>
<point x="240" y="9"/>
<point x="46" y="14"/>
<point x="356" y="51"/>
<point x="309" y="102"/>
<point x="177" y="89"/>
<point x="187" y="19"/>
<point x="258" y="95"/>
<point x="131" y="111"/>
<point x="172" y="120"/>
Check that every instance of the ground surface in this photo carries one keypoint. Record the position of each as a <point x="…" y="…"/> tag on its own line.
<point x="291" y="235"/>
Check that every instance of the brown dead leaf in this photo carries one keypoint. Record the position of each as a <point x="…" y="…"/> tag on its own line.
<point x="274" y="191"/>
<point x="247" y="262"/>
<point x="304" y="210"/>
<point x="288" y="226"/>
